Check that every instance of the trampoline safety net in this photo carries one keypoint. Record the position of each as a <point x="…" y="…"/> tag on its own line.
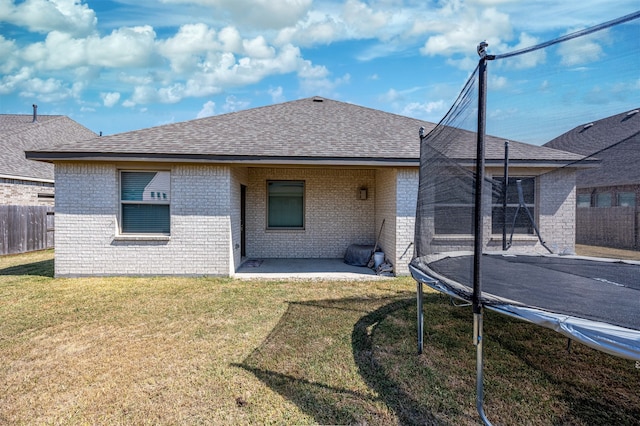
<point x="561" y="155"/>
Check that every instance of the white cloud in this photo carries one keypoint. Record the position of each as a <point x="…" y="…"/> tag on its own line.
<point x="232" y="104"/>
<point x="71" y="16"/>
<point x="49" y="90"/>
<point x="323" y="86"/>
<point x="185" y="48"/>
<point x="466" y="30"/>
<point x="497" y="82"/>
<point x="276" y="94"/>
<point x="424" y="110"/>
<point x="208" y="109"/>
<point x="258" y="48"/>
<point x="363" y="20"/>
<point x="124" y="47"/>
<point x="271" y="14"/>
<point x="582" y="50"/>
<point x="8" y="53"/>
<point x="110" y="99"/>
<point x="529" y="59"/>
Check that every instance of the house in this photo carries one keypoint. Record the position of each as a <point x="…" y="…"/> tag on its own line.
<point x="300" y="179"/>
<point x="27" y="186"/>
<point x="28" y="182"/>
<point x="608" y="207"/>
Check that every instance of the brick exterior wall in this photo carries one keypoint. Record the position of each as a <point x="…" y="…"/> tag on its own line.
<point x="87" y="241"/>
<point x="407" y="198"/>
<point x="554" y="212"/>
<point x="335" y="217"/>
<point x="385" y="206"/>
<point x="25" y="193"/>
<point x="557" y="213"/>
<point x="205" y="218"/>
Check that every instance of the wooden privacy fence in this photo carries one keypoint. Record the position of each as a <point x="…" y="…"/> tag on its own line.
<point x="26" y="228"/>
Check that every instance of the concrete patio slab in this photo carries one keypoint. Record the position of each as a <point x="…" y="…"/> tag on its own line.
<point x="329" y="269"/>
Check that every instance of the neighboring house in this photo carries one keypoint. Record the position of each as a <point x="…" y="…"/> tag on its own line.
<point x="27" y="186"/>
<point x="608" y="197"/>
<point x="301" y="179"/>
<point x="28" y="182"/>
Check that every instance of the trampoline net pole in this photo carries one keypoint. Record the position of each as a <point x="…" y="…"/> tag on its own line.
<point x="478" y="340"/>
<point x="420" y="318"/>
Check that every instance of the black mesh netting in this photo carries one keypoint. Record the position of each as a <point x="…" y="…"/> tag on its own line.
<point x="562" y="121"/>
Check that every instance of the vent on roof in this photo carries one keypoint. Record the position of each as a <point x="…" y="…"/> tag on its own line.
<point x="586" y="126"/>
<point x="35" y="113"/>
<point x="630" y="113"/>
<point x="318" y="100"/>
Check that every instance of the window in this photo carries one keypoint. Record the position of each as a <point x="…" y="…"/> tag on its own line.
<point x="626" y="199"/>
<point x="285" y="204"/>
<point x="603" y="199"/>
<point x="584" y="200"/>
<point x="454" y="203"/>
<point x="523" y="224"/>
<point x="144" y="200"/>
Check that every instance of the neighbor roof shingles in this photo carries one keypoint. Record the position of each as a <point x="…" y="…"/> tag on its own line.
<point x="18" y="133"/>
<point x="614" y="140"/>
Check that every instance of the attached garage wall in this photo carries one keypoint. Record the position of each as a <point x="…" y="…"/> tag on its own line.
<point x="335" y="216"/>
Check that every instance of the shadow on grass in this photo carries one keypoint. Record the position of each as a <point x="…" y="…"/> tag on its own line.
<point x="320" y="352"/>
<point x="374" y="368"/>
<point x="309" y="359"/>
<point x="43" y="268"/>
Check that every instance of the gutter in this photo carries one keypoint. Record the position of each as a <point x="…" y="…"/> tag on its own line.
<point x="53" y="157"/>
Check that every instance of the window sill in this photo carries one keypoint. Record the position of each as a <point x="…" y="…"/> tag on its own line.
<point x="140" y="237"/>
<point x="453" y="237"/>
<point x="516" y="237"/>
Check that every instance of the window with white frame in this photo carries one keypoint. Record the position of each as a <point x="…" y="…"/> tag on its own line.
<point x="285" y="204"/>
<point x="145" y="199"/>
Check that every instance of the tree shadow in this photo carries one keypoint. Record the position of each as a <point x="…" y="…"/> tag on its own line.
<point x="307" y="355"/>
<point x="44" y="268"/>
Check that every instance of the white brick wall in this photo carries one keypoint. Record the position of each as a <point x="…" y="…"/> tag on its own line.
<point x="407" y="190"/>
<point x="558" y="209"/>
<point x="23" y="193"/>
<point x="386" y="208"/>
<point x="87" y="207"/>
<point x="334" y="215"/>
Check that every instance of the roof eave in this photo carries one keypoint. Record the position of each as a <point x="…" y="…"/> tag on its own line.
<point x="26" y="178"/>
<point x="52" y="157"/>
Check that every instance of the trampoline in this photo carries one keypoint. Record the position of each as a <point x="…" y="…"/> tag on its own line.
<point x="590" y="300"/>
<point x="473" y="186"/>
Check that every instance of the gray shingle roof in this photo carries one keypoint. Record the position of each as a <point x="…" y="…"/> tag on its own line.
<point x="312" y="130"/>
<point x="615" y="141"/>
<point x="18" y="133"/>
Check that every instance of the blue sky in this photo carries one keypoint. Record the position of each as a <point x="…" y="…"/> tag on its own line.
<point x="122" y="65"/>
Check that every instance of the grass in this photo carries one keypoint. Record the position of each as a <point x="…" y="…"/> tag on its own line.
<point x="222" y="351"/>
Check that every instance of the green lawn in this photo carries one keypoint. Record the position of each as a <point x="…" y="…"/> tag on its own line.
<point x="222" y="351"/>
